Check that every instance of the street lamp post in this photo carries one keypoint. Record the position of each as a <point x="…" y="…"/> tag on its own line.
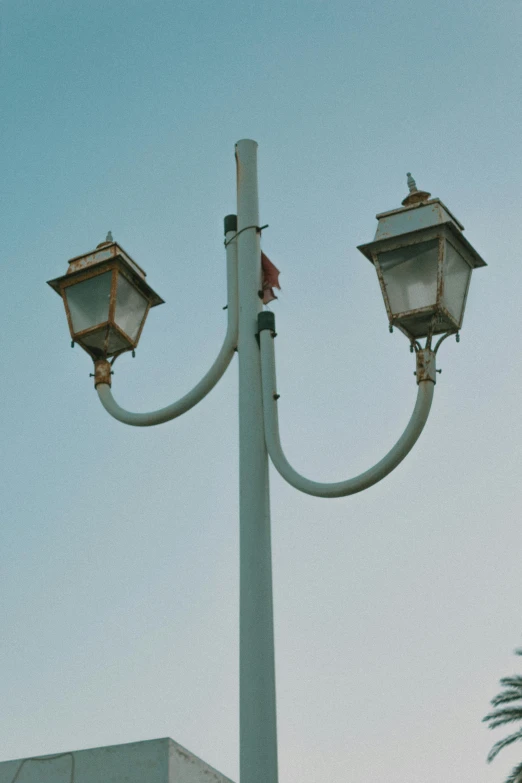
<point x="424" y="266"/>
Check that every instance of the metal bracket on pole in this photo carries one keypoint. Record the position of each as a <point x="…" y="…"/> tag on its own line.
<point x="265" y="320"/>
<point x="102" y="372"/>
<point x="426" y="366"/>
<point x="230" y="224"/>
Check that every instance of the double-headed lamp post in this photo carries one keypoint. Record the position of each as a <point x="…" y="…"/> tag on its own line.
<point x="424" y="266"/>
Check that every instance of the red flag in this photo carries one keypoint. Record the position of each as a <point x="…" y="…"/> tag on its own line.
<point x="270" y="279"/>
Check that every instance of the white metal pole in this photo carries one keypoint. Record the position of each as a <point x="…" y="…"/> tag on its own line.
<point x="258" y="735"/>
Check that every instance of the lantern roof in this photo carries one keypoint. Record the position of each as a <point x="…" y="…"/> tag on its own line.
<point x="419" y="213"/>
<point x="413" y="217"/>
<point x="446" y="228"/>
<point x="104" y="254"/>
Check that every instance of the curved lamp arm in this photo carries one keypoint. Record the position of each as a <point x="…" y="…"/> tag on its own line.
<point x="208" y="381"/>
<point x="426" y="381"/>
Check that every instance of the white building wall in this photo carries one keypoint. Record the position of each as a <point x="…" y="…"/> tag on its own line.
<point x="152" y="761"/>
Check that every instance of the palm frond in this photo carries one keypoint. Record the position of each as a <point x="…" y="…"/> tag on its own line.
<point x="497" y="747"/>
<point x="502" y="716"/>
<point x="515" y="775"/>
<point x="506" y="696"/>
<point x="514" y="681"/>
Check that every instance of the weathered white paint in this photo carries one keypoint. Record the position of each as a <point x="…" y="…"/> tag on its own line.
<point x="152" y="761"/>
<point x="257" y="697"/>
<point x="426" y="383"/>
<point x="413" y="218"/>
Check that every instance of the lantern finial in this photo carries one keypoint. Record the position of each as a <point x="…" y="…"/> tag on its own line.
<point x="107" y="241"/>
<point x="415" y="196"/>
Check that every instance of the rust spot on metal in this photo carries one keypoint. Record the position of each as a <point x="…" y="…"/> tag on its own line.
<point x="104" y="252"/>
<point x="416" y="197"/>
<point x="426" y="366"/>
<point x="102" y="372"/>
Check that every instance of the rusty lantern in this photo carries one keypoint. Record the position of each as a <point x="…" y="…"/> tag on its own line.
<point x="106" y="300"/>
<point x="424" y="265"/>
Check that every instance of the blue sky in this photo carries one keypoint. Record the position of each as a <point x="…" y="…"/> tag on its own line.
<point x="396" y="610"/>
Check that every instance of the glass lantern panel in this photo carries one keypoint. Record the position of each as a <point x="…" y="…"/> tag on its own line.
<point x="410" y="276"/>
<point x="456" y="278"/>
<point x="95" y="341"/>
<point x="117" y="343"/>
<point x="89" y="301"/>
<point x="131" y="307"/>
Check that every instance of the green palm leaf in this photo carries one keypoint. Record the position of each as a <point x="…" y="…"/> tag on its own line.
<point x="503" y="716"/>
<point x="497" y="747"/>
<point x="516" y="775"/>
<point x="515" y="681"/>
<point x="506" y="696"/>
<point x="507" y="711"/>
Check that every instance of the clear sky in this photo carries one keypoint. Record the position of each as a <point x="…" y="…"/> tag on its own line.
<point x="396" y="610"/>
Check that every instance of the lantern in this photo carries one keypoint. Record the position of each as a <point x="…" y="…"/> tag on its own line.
<point x="424" y="265"/>
<point x="106" y="300"/>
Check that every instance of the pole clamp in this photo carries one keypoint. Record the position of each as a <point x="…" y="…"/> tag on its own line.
<point x="258" y="229"/>
<point x="265" y="320"/>
<point x="426" y="366"/>
<point x="102" y="372"/>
